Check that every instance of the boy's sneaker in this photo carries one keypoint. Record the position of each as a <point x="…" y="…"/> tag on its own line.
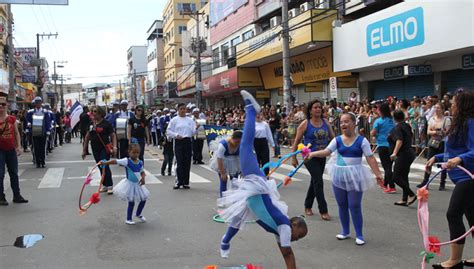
<point x="141" y="219"/>
<point x="250" y="100"/>
<point x="390" y="190"/>
<point x="110" y="190"/>
<point x="225" y="250"/>
<point x="130" y="222"/>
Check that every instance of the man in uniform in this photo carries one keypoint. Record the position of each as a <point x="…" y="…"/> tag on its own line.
<point x="39" y="141"/>
<point x="123" y="113"/>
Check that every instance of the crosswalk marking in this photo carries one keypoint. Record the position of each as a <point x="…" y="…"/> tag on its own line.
<point x="52" y="178"/>
<point x="151" y="179"/>
<point x="195" y="178"/>
<point x="6" y="180"/>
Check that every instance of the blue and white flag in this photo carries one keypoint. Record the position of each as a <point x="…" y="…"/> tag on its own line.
<point x="76" y="111"/>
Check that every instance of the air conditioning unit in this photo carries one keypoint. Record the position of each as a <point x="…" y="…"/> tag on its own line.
<point x="293" y="13"/>
<point x="305" y="7"/>
<point x="275" y="21"/>
<point x="321" y="4"/>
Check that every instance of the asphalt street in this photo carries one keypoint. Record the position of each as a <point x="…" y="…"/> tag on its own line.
<point x="180" y="232"/>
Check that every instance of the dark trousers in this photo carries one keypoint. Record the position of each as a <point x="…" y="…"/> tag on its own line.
<point x="168" y="161"/>
<point x="141" y="142"/>
<point x="39" y="149"/>
<point x="262" y="151"/>
<point x="384" y="154"/>
<point x="24" y="141"/>
<point x="58" y="136"/>
<point x="183" y="151"/>
<point x="123" y="148"/>
<point x="276" y="139"/>
<point x="461" y="203"/>
<point x="100" y="154"/>
<point x="315" y="167"/>
<point x="83" y="136"/>
<point x="198" y="144"/>
<point x="154" y="137"/>
<point x="401" y="169"/>
<point x="9" y="159"/>
<point x="432" y="152"/>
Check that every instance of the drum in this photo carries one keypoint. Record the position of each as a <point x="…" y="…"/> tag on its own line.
<point x="121" y="128"/>
<point x="37" y="125"/>
<point x="200" y="131"/>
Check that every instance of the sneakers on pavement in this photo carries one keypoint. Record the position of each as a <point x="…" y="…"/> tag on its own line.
<point x="390" y="190"/>
<point x="251" y="100"/>
<point x="103" y="189"/>
<point x="110" y="190"/>
<point x="342" y="236"/>
<point x="141" y="219"/>
<point x="3" y="201"/>
<point x="20" y="200"/>
<point x="225" y="250"/>
<point x="359" y="242"/>
<point x="129" y="222"/>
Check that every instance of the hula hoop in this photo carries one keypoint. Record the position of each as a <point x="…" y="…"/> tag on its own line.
<point x="432" y="244"/>
<point x="217" y="218"/>
<point x="95" y="197"/>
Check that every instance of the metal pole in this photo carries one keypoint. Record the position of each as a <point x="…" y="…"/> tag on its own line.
<point x="11" y="64"/>
<point x="62" y="94"/>
<point x="198" y="64"/>
<point x="38" y="70"/>
<point x="55" y="77"/>
<point x="134" y="93"/>
<point x="286" y="56"/>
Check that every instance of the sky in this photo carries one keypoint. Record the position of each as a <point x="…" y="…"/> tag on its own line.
<point x="93" y="35"/>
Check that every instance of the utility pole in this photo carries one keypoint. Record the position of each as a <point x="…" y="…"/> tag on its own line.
<point x="286" y="56"/>
<point x="197" y="46"/>
<point x="62" y="94"/>
<point x="38" y="70"/>
<point x="11" y="65"/>
<point x="55" y="78"/>
<point x="134" y="93"/>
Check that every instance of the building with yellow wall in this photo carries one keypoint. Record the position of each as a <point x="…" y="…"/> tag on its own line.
<point x="174" y="24"/>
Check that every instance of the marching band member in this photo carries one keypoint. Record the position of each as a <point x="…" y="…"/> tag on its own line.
<point x="123" y="113"/>
<point x="198" y="143"/>
<point x="39" y="140"/>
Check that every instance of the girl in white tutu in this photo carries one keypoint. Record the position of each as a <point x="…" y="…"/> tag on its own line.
<point x="132" y="188"/>
<point x="225" y="160"/>
<point x="257" y="198"/>
<point x="350" y="178"/>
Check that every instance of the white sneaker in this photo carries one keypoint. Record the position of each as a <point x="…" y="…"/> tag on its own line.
<point x="130" y="222"/>
<point x="141" y="219"/>
<point x="225" y="253"/>
<point x="103" y="189"/>
<point x="359" y="242"/>
<point x="342" y="237"/>
<point x="110" y="190"/>
<point x="247" y="96"/>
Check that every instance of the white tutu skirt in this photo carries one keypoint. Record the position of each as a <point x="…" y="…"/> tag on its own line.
<point x="236" y="211"/>
<point x="131" y="191"/>
<point x="231" y="164"/>
<point x="351" y="177"/>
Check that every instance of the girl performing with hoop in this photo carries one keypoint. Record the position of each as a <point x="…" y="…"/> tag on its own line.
<point x="258" y="198"/>
<point x="132" y="188"/>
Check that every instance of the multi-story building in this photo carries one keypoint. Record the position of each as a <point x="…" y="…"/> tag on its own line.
<point x="406" y="48"/>
<point x="137" y="72"/>
<point x="4" y="16"/>
<point x="156" y="72"/>
<point x="191" y="42"/>
<point x="247" y="50"/>
<point x="174" y="24"/>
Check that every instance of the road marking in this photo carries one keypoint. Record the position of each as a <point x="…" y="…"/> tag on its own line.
<point x="151" y="179"/>
<point x="52" y="178"/>
<point x="290" y="167"/>
<point x="6" y="180"/>
<point x="282" y="177"/>
<point x="208" y="168"/>
<point x="77" y="161"/>
<point x="195" y="178"/>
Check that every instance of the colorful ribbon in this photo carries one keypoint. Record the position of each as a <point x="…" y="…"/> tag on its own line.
<point x="432" y="244"/>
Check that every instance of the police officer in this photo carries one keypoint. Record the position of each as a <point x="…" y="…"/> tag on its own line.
<point x="39" y="141"/>
<point x="123" y="113"/>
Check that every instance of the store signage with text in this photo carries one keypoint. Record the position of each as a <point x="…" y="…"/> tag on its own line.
<point x="221" y="82"/>
<point x="304" y="68"/>
<point x="314" y="87"/>
<point x="468" y="61"/>
<point x="263" y="94"/>
<point x="398" y="32"/>
<point x="395" y="72"/>
<point x="249" y="77"/>
<point x="419" y="70"/>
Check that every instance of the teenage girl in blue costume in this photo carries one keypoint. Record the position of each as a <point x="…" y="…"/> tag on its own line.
<point x="349" y="177"/>
<point x="258" y="198"/>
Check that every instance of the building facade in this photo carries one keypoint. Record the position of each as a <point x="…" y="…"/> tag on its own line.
<point x="155" y="66"/>
<point x="137" y="72"/>
<point x="406" y="49"/>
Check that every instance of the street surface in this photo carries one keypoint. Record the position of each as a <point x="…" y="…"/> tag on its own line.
<point x="180" y="232"/>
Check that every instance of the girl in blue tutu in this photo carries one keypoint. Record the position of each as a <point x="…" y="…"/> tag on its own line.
<point x="350" y="178"/>
<point x="132" y="188"/>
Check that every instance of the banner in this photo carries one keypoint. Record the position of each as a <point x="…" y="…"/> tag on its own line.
<point x="24" y="57"/>
<point x="76" y="111"/>
<point x="215" y="134"/>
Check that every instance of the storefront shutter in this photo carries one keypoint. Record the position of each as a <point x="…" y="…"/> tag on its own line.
<point x="381" y="89"/>
<point x="402" y="88"/>
<point x="459" y="78"/>
<point x="418" y="86"/>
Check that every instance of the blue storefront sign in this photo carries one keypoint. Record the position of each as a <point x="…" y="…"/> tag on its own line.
<point x="398" y="32"/>
<point x="468" y="61"/>
<point x="419" y="70"/>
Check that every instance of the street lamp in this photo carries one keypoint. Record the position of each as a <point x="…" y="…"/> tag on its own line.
<point x="58" y="64"/>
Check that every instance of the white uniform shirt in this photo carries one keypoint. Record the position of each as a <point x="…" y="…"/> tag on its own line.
<point x="124" y="114"/>
<point x="182" y="126"/>
<point x="262" y="130"/>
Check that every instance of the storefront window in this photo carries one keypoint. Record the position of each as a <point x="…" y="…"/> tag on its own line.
<point x="247" y="35"/>
<point x="225" y="53"/>
<point x="215" y="58"/>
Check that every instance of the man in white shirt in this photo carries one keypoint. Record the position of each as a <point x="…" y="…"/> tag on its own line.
<point x="182" y="129"/>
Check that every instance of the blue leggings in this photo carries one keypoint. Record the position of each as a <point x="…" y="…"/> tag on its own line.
<point x="349" y="201"/>
<point x="141" y="205"/>
<point x="248" y="160"/>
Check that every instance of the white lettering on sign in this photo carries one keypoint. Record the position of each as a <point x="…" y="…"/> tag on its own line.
<point x="398" y="32"/>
